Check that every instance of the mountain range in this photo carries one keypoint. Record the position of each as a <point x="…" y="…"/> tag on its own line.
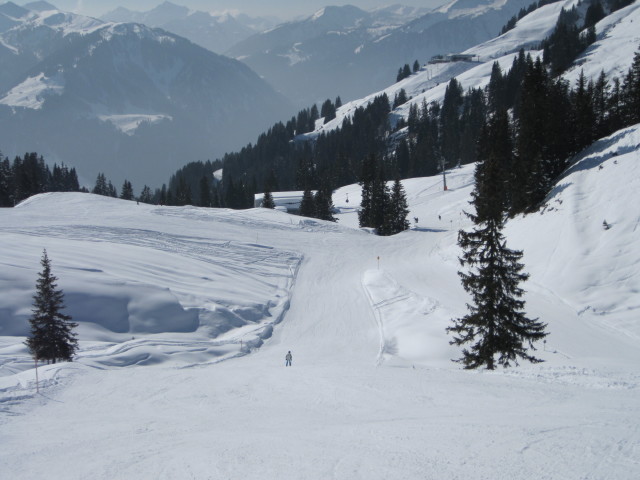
<point x="350" y="52"/>
<point x="121" y="98"/>
<point x="217" y="33"/>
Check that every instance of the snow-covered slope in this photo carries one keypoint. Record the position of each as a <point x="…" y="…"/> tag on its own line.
<point x="617" y="41"/>
<point x="169" y="292"/>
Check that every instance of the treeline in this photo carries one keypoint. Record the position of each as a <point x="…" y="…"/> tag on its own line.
<point x="30" y="175"/>
<point x="406" y="72"/>
<point x="282" y="160"/>
<point x="550" y="122"/>
<point x="555" y="118"/>
<point x="383" y="209"/>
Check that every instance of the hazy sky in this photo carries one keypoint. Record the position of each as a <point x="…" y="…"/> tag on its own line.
<point x="284" y="9"/>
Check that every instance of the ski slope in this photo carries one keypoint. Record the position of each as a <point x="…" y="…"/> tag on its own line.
<point x="186" y="315"/>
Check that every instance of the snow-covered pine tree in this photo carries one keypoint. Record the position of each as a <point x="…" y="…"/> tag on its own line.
<point x="496" y="324"/>
<point x="52" y="337"/>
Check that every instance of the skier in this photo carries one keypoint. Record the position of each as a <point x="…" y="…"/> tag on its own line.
<point x="287" y="359"/>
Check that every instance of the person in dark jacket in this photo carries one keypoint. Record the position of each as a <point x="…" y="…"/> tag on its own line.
<point x="287" y="359"/>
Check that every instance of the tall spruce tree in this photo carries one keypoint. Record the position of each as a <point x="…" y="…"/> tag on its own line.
<point x="267" y="200"/>
<point x="100" y="187"/>
<point x="127" y="191"/>
<point x="398" y="210"/>
<point x="52" y="337"/>
<point x="307" y="205"/>
<point x="145" y="195"/>
<point x="631" y="89"/>
<point x="496" y="325"/>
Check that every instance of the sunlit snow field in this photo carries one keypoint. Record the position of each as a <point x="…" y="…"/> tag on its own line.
<point x="186" y="315"/>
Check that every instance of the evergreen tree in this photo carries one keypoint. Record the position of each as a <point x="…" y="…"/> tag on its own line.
<point x="6" y="183"/>
<point x="594" y="14"/>
<point x="111" y="190"/>
<point x="367" y="178"/>
<point x="496" y="90"/>
<point x="267" y="200"/>
<point x="52" y="337"/>
<point x="307" y="205"/>
<point x="145" y="195"/>
<point x="398" y="210"/>
<point x="205" y="192"/>
<point x="323" y="200"/>
<point x="163" y="195"/>
<point x="584" y="118"/>
<point x="127" y="191"/>
<point x="416" y="66"/>
<point x="450" y="123"/>
<point x="328" y="111"/>
<point x="183" y="193"/>
<point x="529" y="184"/>
<point x="631" y="89"/>
<point x="100" y="187"/>
<point x="495" y="324"/>
<point x="474" y="112"/>
<point x="400" y="98"/>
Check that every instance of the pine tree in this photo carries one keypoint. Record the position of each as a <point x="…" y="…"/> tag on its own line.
<point x="584" y="118"/>
<point x="631" y="92"/>
<point x="495" y="324"/>
<point x="6" y="182"/>
<point x="398" y="210"/>
<point x="307" y="205"/>
<point x="267" y="200"/>
<point x="450" y="122"/>
<point x="127" y="191"/>
<point x="52" y="337"/>
<point x="323" y="200"/>
<point x="205" y="192"/>
<point x="100" y="187"/>
<point x="111" y="190"/>
<point x="145" y="195"/>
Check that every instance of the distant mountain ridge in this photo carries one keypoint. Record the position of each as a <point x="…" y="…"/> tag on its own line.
<point x="351" y="52"/>
<point x="123" y="99"/>
<point x="214" y="32"/>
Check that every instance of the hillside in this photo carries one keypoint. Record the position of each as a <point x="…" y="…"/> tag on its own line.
<point x="613" y="51"/>
<point x="186" y="315"/>
<point x="123" y="99"/>
<point x="350" y="52"/>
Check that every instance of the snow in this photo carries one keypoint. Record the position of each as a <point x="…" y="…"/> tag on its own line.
<point x="33" y="91"/>
<point x="612" y="53"/>
<point x="618" y="40"/>
<point x="186" y="315"/>
<point x="129" y="123"/>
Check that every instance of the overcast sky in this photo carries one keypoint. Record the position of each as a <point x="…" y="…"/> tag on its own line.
<point x="283" y="9"/>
